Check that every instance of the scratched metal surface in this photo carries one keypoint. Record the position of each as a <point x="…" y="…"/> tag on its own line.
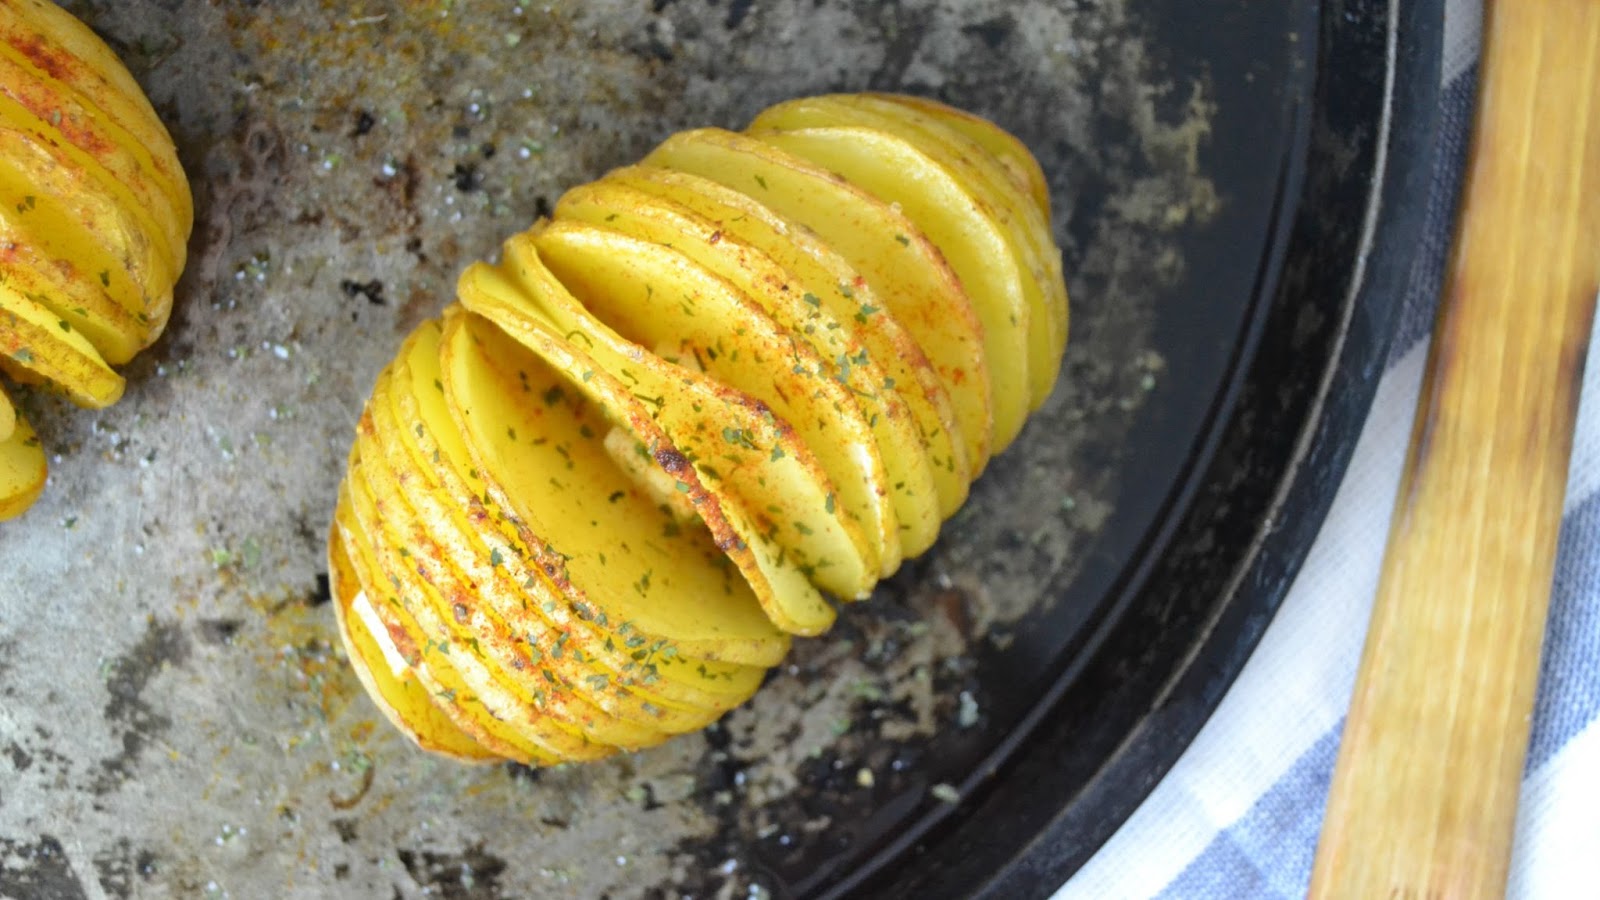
<point x="176" y="718"/>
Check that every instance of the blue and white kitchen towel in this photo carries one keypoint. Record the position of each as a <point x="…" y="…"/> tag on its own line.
<point x="1239" y="815"/>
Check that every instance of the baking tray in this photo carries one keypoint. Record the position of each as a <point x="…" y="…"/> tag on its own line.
<point x="1238" y="191"/>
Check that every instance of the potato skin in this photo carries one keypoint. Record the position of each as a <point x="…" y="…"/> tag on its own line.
<point x="587" y="508"/>
<point x="95" y="215"/>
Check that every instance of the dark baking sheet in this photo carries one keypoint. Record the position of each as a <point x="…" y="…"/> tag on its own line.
<point x="1234" y="186"/>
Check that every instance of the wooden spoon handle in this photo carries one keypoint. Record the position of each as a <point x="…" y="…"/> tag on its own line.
<point x="1424" y="795"/>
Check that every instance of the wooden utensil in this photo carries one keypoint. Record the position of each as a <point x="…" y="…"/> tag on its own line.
<point x="1424" y="795"/>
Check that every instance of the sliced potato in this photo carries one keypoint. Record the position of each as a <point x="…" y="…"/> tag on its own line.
<point x="615" y="478"/>
<point x="22" y="464"/>
<point x="896" y="172"/>
<point x="55" y="213"/>
<point x="996" y="141"/>
<point x="534" y="565"/>
<point x="961" y="138"/>
<point x="8" y="417"/>
<point x="34" y="339"/>
<point x="823" y="273"/>
<point x="508" y="624"/>
<point x="102" y="160"/>
<point x="429" y="596"/>
<point x="563" y="714"/>
<point x="900" y="263"/>
<point x="388" y="680"/>
<point x="824" y="319"/>
<point x="761" y="492"/>
<point x="54" y="47"/>
<point x="429" y="665"/>
<point x="95" y="211"/>
<point x="657" y="297"/>
<point x="994" y="193"/>
<point x="560" y="483"/>
<point x="73" y="295"/>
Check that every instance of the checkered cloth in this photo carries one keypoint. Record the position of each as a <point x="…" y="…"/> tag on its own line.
<point x="1239" y="815"/>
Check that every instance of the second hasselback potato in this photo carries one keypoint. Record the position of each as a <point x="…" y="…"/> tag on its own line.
<point x="95" y="214"/>
<point x="586" y="508"/>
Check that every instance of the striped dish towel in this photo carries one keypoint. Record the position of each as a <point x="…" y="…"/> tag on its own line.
<point x="1239" y="815"/>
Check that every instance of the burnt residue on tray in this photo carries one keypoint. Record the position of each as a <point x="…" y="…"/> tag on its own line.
<point x="348" y="160"/>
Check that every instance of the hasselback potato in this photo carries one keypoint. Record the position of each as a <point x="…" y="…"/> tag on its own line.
<point x="95" y="215"/>
<point x="587" y="507"/>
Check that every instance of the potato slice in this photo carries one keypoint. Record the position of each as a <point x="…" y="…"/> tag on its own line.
<point x="996" y="141"/>
<point x="22" y="464"/>
<point x="428" y="595"/>
<point x="961" y="142"/>
<point x="100" y="159"/>
<point x="388" y="680"/>
<point x="899" y="262"/>
<point x="762" y="494"/>
<point x="75" y="296"/>
<point x="624" y="649"/>
<point x="505" y="619"/>
<point x="34" y="339"/>
<point x="431" y="666"/>
<point x="825" y="319"/>
<point x="553" y="469"/>
<point x="984" y="179"/>
<point x="822" y="272"/>
<point x="557" y="686"/>
<point x="976" y="146"/>
<point x="975" y="244"/>
<point x="55" y="46"/>
<point x="54" y="224"/>
<point x="655" y="296"/>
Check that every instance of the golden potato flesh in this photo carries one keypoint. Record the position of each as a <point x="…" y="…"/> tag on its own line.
<point x="752" y="479"/>
<point x="900" y="264"/>
<point x="658" y="297"/>
<point x="586" y="509"/>
<point x="816" y="312"/>
<point x="996" y="194"/>
<point x="383" y="672"/>
<point x="22" y="464"/>
<point x="95" y="212"/>
<point x="821" y="272"/>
